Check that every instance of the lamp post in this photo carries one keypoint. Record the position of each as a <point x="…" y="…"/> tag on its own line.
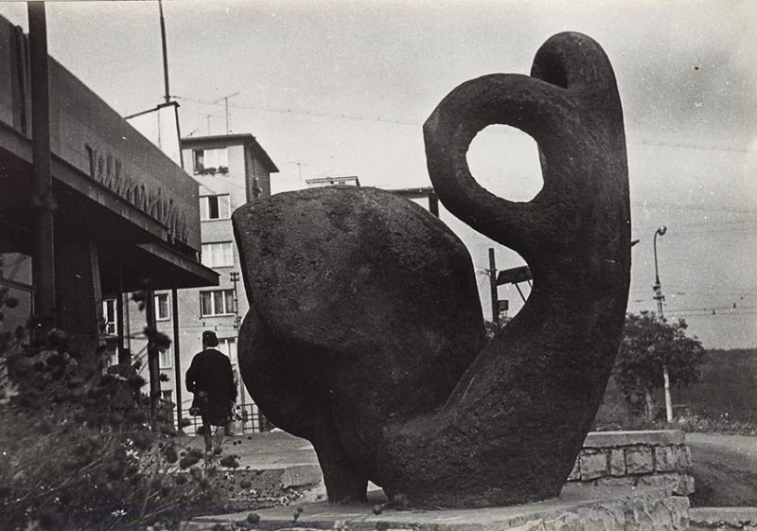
<point x="659" y="297"/>
<point x="234" y="276"/>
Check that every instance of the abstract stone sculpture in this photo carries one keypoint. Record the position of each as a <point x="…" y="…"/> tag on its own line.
<point x="365" y="333"/>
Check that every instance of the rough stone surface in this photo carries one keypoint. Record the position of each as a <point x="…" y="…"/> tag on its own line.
<point x="680" y="485"/>
<point x="665" y="459"/>
<point x="365" y="332"/>
<point x="659" y="480"/>
<point x="684" y="459"/>
<point x="617" y="462"/>
<point x="656" y="458"/>
<point x="592" y="509"/>
<point x="723" y="519"/>
<point x="593" y="464"/>
<point x="575" y="474"/>
<point x="364" y="309"/>
<point x="639" y="460"/>
<point x="605" y="439"/>
<point x="625" y="481"/>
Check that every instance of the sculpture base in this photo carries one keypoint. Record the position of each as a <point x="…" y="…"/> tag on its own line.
<point x="578" y="508"/>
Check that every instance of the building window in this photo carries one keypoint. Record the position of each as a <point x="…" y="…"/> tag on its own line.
<point x="161" y="307"/>
<point x="217" y="302"/>
<point x="15" y="282"/>
<point x="215" y="207"/>
<point x="219" y="254"/>
<point x="166" y="359"/>
<point x="210" y="161"/>
<point x="110" y="317"/>
<point x="167" y="396"/>
<point x="228" y="345"/>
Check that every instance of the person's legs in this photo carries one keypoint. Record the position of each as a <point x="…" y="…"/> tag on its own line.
<point x="220" y="432"/>
<point x="207" y="434"/>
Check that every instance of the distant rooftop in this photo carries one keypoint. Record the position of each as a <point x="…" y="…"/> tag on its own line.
<point x="231" y="139"/>
<point x="349" y="180"/>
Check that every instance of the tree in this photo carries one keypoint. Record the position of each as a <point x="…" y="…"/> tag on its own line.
<point x="649" y="343"/>
<point x="492" y="328"/>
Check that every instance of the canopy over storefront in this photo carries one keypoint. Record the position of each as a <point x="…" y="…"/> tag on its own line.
<point x="126" y="217"/>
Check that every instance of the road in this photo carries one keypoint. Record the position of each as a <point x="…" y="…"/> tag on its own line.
<point x="724" y="469"/>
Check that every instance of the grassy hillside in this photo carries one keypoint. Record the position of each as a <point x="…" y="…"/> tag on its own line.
<point x="726" y="395"/>
<point x="728" y="386"/>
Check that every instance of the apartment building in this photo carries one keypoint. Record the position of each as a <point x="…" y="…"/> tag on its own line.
<point x="231" y="170"/>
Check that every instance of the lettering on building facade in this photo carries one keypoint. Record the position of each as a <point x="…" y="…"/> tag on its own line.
<point x="108" y="171"/>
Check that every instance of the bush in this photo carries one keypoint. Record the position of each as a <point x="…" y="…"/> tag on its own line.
<point x="722" y="424"/>
<point x="73" y="455"/>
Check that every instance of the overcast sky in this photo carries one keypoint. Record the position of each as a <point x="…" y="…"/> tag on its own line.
<point x="342" y="88"/>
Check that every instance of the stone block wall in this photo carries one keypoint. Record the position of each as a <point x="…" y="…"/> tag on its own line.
<point x="653" y="458"/>
<point x="723" y="519"/>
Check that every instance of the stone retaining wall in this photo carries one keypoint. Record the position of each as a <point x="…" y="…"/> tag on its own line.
<point x="723" y="519"/>
<point x="654" y="458"/>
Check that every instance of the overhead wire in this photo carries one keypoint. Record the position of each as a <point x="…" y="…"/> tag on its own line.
<point x="364" y="118"/>
<point x="710" y="229"/>
<point x="709" y="313"/>
<point x="305" y="112"/>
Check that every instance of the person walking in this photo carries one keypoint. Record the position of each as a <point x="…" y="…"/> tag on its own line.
<point x="211" y="379"/>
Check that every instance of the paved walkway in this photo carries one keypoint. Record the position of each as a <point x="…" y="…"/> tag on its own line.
<point x="577" y="507"/>
<point x="262" y="451"/>
<point x="713" y="455"/>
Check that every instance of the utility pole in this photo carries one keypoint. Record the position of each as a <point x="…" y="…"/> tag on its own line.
<point x="120" y="315"/>
<point x="659" y="297"/>
<point x="43" y="201"/>
<point x="153" y="356"/>
<point x="493" y="287"/>
<point x="299" y="164"/>
<point x="234" y="276"/>
<point x="167" y="95"/>
<point x="176" y="354"/>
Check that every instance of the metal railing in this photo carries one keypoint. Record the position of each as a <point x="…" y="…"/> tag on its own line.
<point x="247" y="419"/>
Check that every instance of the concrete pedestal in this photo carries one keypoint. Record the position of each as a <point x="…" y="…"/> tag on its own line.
<point x="579" y="508"/>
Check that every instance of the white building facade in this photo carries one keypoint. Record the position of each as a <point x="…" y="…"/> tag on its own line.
<point x="231" y="170"/>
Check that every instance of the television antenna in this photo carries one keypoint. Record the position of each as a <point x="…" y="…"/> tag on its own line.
<point x="225" y="100"/>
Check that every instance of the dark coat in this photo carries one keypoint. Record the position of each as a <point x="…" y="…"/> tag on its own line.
<point x="211" y="379"/>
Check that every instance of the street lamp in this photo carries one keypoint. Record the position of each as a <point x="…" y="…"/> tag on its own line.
<point x="659" y="297"/>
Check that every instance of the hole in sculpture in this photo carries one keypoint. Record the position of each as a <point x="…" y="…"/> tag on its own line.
<point x="505" y="161"/>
